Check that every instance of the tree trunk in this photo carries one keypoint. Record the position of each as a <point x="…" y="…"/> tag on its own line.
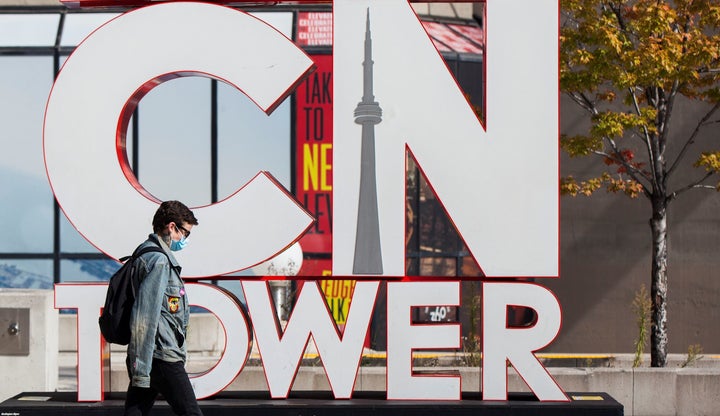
<point x="658" y="289"/>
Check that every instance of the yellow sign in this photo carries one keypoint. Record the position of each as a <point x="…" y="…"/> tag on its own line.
<point x="338" y="294"/>
<point x="578" y="398"/>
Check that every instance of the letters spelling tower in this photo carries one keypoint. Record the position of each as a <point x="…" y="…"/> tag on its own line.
<point x="368" y="257"/>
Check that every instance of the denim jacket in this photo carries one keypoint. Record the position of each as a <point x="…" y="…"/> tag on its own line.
<point x="160" y="314"/>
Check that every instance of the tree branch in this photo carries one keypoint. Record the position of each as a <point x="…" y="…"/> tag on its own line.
<point x="615" y="8"/>
<point x="635" y="173"/>
<point x="668" y="112"/>
<point x="583" y="101"/>
<point x="694" y="185"/>
<point x="691" y="139"/>
<point x="646" y="133"/>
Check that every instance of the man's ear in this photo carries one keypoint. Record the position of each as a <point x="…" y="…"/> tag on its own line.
<point x="168" y="228"/>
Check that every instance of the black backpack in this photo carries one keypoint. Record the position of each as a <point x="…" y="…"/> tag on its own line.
<point x="115" y="318"/>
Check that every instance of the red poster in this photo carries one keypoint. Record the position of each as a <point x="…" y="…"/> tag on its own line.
<point x="316" y="268"/>
<point x="314" y="29"/>
<point x="313" y="153"/>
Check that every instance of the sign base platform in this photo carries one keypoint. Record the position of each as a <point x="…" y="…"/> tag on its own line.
<point x="321" y="404"/>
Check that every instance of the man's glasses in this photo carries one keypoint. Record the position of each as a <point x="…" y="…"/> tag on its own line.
<point x="185" y="232"/>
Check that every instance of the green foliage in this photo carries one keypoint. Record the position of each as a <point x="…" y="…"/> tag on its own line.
<point x="611" y="124"/>
<point x="642" y="306"/>
<point x="638" y="43"/>
<point x="710" y="161"/>
<point x="472" y="344"/>
<point x="569" y="186"/>
<point x="693" y="355"/>
<point x="580" y="145"/>
<point x="625" y="62"/>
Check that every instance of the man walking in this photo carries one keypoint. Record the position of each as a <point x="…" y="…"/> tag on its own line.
<point x="157" y="351"/>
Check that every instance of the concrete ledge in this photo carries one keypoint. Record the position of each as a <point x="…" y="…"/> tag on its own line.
<point x="695" y="389"/>
<point x="641" y="391"/>
<point x="37" y="367"/>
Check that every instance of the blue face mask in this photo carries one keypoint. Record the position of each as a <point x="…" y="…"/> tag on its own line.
<point x="176" y="245"/>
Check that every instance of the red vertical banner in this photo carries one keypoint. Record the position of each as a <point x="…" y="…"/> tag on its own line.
<point x="313" y="154"/>
<point x="313" y="182"/>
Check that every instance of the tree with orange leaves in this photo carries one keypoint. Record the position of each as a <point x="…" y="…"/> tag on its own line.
<point x="627" y="63"/>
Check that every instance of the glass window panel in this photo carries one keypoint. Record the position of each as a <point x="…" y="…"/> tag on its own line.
<point x="437" y="233"/>
<point x="26" y="212"/>
<point x="234" y="287"/>
<point x="28" y="29"/>
<point x="280" y="21"/>
<point x="79" y="25"/>
<point x="174" y="141"/>
<point x="26" y="274"/>
<point x="85" y="270"/>
<point x="71" y="241"/>
<point x="61" y="60"/>
<point x="470" y="267"/>
<point x="430" y="231"/>
<point x="250" y="141"/>
<point x="469" y="76"/>
<point x="129" y="143"/>
<point x="438" y="266"/>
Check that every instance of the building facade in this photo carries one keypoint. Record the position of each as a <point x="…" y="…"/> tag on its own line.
<point x="222" y="139"/>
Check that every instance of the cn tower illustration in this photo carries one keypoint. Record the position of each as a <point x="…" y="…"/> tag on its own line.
<point x="368" y="256"/>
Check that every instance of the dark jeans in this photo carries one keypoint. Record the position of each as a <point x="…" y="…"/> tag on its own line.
<point x="170" y="380"/>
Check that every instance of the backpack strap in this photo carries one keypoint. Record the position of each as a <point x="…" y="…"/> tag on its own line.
<point x="149" y="249"/>
<point x="140" y="252"/>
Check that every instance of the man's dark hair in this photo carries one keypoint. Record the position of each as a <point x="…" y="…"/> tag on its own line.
<point x="172" y="211"/>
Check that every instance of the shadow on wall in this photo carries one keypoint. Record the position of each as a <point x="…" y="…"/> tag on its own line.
<point x="606" y="256"/>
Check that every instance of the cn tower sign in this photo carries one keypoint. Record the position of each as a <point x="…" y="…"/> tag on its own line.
<point x="393" y="95"/>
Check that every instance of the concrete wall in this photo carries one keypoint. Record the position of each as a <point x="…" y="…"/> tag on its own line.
<point x="205" y="335"/>
<point x="605" y="253"/>
<point x="38" y="369"/>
